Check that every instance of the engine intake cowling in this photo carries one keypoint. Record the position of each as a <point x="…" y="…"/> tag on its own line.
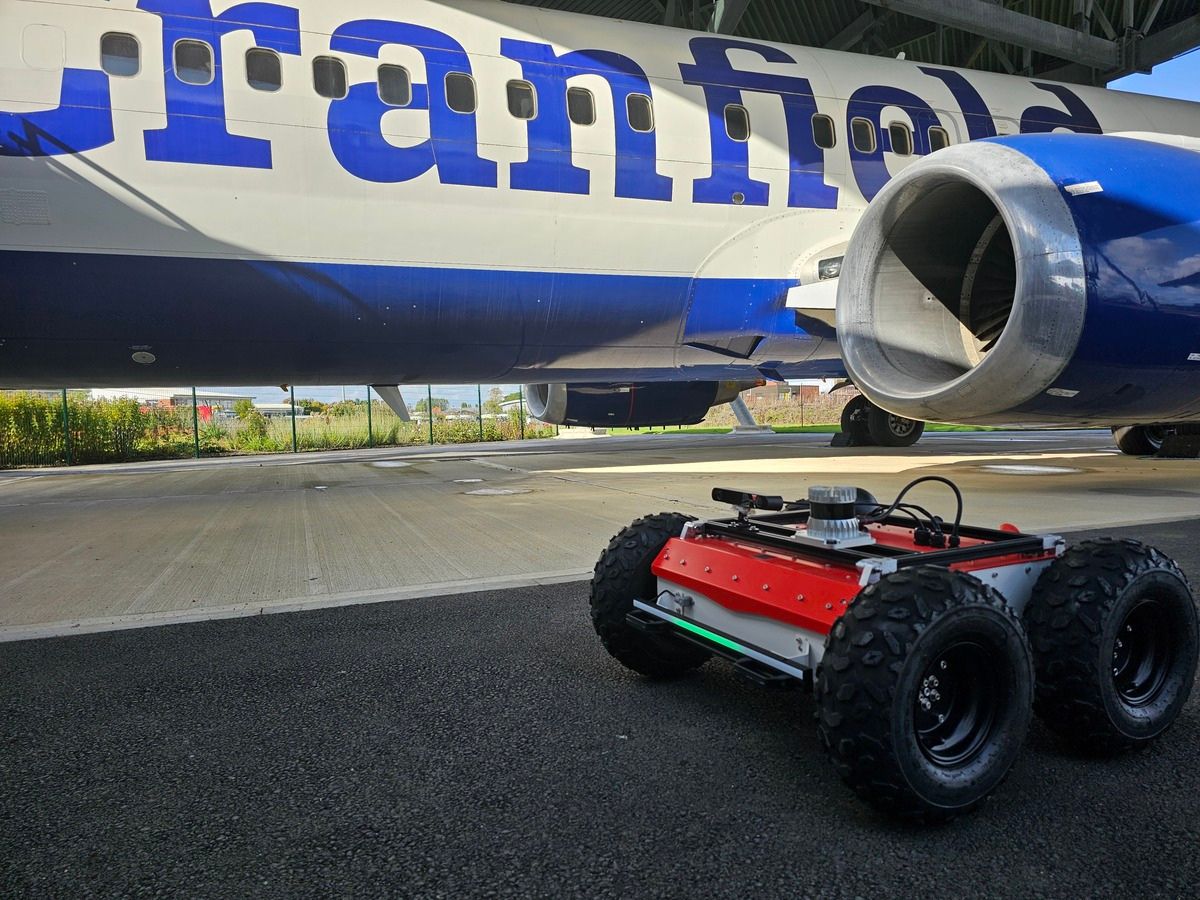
<point x="1029" y="279"/>
<point x="629" y="405"/>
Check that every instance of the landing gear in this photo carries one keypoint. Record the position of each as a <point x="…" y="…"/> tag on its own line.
<point x="854" y="420"/>
<point x="1114" y="632"/>
<point x="866" y="425"/>
<point x="888" y="430"/>
<point x="1140" y="440"/>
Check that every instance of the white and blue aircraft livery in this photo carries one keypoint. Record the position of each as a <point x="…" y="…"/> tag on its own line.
<point x="636" y="220"/>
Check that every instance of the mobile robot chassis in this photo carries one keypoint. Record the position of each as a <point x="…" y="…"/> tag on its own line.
<point x="927" y="645"/>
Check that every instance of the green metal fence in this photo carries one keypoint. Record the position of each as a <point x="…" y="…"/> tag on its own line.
<point x="67" y="427"/>
<point x="45" y="428"/>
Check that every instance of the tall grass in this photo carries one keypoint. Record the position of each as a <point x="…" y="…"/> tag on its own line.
<point x="31" y="431"/>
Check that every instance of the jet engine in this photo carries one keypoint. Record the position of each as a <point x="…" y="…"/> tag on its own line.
<point x="630" y="405"/>
<point x="1051" y="278"/>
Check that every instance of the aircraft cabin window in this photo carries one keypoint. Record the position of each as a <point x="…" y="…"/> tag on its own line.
<point x="193" y="62"/>
<point x="120" y="55"/>
<point x="901" y="138"/>
<point x="863" y="133"/>
<point x="460" y="93"/>
<point x="824" y="132"/>
<point x="329" y="77"/>
<point x="395" y="85"/>
<point x="640" y="110"/>
<point x="737" y="123"/>
<point x="264" y="71"/>
<point x="581" y="106"/>
<point x="939" y="139"/>
<point x="522" y="100"/>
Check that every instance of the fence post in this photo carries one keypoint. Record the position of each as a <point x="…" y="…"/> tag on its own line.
<point x="295" y="440"/>
<point x="66" y="421"/>
<point x="195" y="423"/>
<point x="479" y="409"/>
<point x="429" y="410"/>
<point x="370" y="433"/>
<point x="521" y="399"/>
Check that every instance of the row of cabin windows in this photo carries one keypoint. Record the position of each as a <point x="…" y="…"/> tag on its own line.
<point x="862" y="132"/>
<point x="120" y="57"/>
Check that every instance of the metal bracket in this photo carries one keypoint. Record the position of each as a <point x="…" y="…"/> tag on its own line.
<point x="874" y="569"/>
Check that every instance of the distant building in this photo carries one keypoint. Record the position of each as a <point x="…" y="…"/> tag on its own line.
<point x="792" y="392"/>
<point x="171" y="398"/>
<point x="279" y="410"/>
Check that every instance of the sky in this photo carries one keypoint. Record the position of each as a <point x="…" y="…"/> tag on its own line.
<point x="1179" y="78"/>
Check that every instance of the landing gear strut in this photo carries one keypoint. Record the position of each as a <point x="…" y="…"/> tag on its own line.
<point x="866" y="425"/>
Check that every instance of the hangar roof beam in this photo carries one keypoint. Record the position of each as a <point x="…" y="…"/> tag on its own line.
<point x="727" y="15"/>
<point x="996" y="22"/>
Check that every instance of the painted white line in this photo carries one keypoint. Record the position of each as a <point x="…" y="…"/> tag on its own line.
<point x="294" y="604"/>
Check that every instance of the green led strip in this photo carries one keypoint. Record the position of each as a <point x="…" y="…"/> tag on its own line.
<point x="708" y="635"/>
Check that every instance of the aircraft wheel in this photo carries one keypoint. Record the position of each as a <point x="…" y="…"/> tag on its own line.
<point x="1114" y="631"/>
<point x="854" y="420"/>
<point x="623" y="575"/>
<point x="888" y="430"/>
<point x="1139" y="440"/>
<point x="924" y="693"/>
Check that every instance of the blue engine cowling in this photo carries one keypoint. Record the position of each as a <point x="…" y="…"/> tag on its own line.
<point x="1047" y="278"/>
<point x="629" y="405"/>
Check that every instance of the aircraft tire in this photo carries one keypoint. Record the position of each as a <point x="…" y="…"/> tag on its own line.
<point x="924" y="693"/>
<point x="854" y="420"/>
<point x="623" y="575"/>
<point x="1139" y="440"/>
<point x="1114" y="630"/>
<point x="887" y="430"/>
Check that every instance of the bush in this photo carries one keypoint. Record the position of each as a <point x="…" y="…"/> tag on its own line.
<point x="31" y="431"/>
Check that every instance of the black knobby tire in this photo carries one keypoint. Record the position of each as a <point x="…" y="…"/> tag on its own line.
<point x="1139" y="440"/>
<point x="1114" y="631"/>
<point x="854" y="419"/>
<point x="881" y="685"/>
<point x="888" y="430"/>
<point x="623" y="575"/>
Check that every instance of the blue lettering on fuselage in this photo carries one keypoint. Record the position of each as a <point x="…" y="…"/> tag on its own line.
<point x="870" y="169"/>
<point x="1077" y="116"/>
<point x="980" y="123"/>
<point x="83" y="120"/>
<point x="197" y="132"/>
<point x="723" y="86"/>
<point x="356" y="121"/>
<point x="550" y="167"/>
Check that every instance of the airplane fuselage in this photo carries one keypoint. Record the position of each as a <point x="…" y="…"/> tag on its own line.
<point x="449" y="191"/>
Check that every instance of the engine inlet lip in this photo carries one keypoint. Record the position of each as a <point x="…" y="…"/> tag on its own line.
<point x="1050" y="297"/>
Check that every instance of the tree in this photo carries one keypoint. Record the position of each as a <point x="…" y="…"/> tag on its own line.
<point x="491" y="405"/>
<point x="312" y="407"/>
<point x="439" y="404"/>
<point x="242" y="408"/>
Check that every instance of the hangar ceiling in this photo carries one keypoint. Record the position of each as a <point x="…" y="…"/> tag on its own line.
<point x="1083" y="41"/>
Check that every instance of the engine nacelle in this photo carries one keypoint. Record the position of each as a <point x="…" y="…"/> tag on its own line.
<point x="1049" y="278"/>
<point x="629" y="405"/>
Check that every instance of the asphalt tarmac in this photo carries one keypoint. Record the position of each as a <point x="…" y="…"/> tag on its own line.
<point x="484" y="745"/>
<point x="123" y="546"/>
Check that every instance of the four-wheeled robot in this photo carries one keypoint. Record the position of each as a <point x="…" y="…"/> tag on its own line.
<point x="927" y="644"/>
